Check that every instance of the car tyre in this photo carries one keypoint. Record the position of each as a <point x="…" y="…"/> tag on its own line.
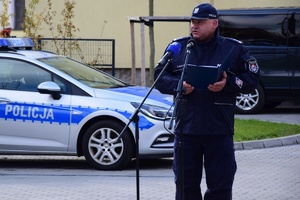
<point x="101" y="148"/>
<point x="250" y="103"/>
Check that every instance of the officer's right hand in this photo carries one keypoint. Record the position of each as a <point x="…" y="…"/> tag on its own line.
<point x="187" y="88"/>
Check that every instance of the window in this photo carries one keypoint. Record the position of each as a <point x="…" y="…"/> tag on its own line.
<point x="260" y="29"/>
<point x="63" y="84"/>
<point x="19" y="14"/>
<point x="293" y="26"/>
<point x="16" y="9"/>
<point x="18" y="75"/>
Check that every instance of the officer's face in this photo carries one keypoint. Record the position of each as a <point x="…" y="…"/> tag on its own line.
<point x="203" y="29"/>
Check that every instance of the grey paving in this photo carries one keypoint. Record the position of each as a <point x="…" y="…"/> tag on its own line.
<point x="272" y="173"/>
<point x="266" y="174"/>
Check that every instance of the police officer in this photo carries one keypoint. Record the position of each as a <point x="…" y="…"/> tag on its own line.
<point x="206" y="127"/>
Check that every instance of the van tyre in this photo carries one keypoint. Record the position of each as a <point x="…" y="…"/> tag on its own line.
<point x="250" y="103"/>
<point x="102" y="151"/>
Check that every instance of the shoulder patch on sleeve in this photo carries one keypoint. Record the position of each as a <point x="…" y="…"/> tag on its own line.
<point x="253" y="66"/>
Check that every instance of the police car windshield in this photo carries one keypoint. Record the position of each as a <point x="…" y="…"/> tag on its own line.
<point x="83" y="73"/>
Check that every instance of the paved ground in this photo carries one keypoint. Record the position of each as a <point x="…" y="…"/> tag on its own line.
<point x="288" y="112"/>
<point x="263" y="174"/>
<point x="267" y="170"/>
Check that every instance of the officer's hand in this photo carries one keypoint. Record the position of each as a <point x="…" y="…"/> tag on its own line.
<point x="187" y="88"/>
<point x="218" y="86"/>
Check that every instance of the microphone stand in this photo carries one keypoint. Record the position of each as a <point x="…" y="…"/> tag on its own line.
<point x="135" y="118"/>
<point x="179" y="110"/>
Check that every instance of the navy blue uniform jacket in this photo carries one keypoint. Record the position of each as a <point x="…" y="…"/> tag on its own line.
<point x="206" y="112"/>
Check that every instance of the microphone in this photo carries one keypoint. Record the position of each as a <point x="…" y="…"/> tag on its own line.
<point x="171" y="51"/>
<point x="191" y="43"/>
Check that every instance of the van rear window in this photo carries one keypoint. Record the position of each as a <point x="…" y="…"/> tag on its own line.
<point x="262" y="29"/>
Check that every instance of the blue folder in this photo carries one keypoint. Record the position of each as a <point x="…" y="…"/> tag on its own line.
<point x="200" y="76"/>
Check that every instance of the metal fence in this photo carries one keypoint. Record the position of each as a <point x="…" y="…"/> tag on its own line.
<point x="99" y="53"/>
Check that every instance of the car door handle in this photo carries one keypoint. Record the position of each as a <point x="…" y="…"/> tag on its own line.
<point x="4" y="100"/>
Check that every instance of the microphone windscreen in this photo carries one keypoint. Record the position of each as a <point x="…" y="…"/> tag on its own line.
<point x="191" y="43"/>
<point x="174" y="48"/>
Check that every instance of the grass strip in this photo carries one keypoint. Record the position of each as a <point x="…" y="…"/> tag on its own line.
<point x="252" y="129"/>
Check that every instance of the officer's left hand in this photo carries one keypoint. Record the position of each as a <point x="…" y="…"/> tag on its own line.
<point x="218" y="86"/>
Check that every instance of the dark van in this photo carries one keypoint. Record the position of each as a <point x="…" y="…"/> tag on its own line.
<point x="273" y="37"/>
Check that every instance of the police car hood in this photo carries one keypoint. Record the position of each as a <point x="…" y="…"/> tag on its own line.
<point x="135" y="94"/>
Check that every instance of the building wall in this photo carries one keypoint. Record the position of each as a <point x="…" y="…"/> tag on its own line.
<point x="104" y="19"/>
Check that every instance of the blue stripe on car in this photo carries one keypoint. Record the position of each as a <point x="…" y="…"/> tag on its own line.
<point x="59" y="114"/>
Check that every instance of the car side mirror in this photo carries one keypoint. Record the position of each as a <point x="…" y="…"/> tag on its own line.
<point x="50" y="87"/>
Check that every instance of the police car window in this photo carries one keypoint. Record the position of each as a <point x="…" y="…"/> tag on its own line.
<point x="4" y="73"/>
<point x="83" y="73"/>
<point x="19" y="75"/>
<point x="63" y="84"/>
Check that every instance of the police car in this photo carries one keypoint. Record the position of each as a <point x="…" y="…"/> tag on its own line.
<point x="53" y="105"/>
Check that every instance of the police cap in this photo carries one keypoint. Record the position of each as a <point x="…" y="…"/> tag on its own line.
<point x="204" y="11"/>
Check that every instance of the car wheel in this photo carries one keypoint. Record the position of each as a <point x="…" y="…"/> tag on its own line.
<point x="250" y="103"/>
<point x="102" y="151"/>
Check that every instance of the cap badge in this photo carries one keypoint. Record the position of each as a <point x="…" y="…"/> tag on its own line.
<point x="196" y="10"/>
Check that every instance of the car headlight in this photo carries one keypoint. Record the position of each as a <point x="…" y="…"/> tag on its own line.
<point x="156" y="112"/>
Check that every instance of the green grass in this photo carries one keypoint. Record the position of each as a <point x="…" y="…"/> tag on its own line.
<point x="246" y="130"/>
